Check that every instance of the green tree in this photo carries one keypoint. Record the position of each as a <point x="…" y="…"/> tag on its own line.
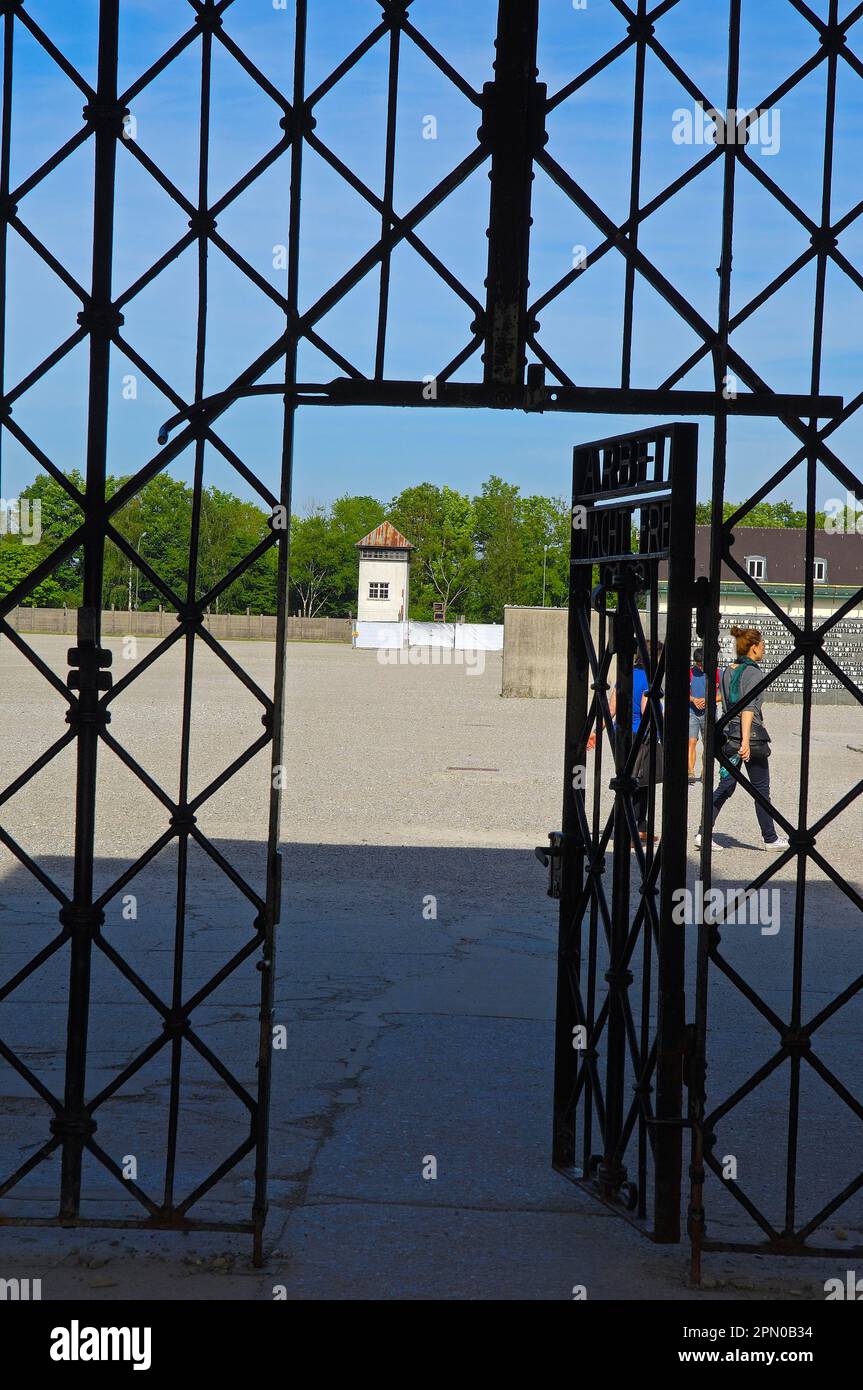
<point x="230" y="529"/>
<point x="546" y="529"/>
<point x="778" y="514"/>
<point x="324" y="557"/>
<point x="157" y="523"/>
<point x="55" y="514"/>
<point x="314" y="564"/>
<point x="499" y="536"/>
<point x="17" y="561"/>
<point x="351" y="518"/>
<point x="118" y="571"/>
<point x="439" y="523"/>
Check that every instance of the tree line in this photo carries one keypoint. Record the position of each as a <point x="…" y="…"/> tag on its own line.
<point x="473" y="554"/>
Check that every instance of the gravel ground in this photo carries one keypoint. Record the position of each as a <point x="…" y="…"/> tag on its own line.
<point x="407" y="1036"/>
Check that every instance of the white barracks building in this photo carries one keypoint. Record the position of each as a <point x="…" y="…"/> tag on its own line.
<point x="384" y="580"/>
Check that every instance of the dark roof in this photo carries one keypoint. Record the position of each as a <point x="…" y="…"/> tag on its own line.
<point x="385" y="537"/>
<point x="784" y="549"/>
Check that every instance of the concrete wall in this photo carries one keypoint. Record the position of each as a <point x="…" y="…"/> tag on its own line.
<point x="534" y="653"/>
<point x="534" y="650"/>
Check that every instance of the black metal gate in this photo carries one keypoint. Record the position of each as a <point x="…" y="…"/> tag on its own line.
<point x="617" y="1046"/>
<point x="631" y="1073"/>
<point x="92" y="694"/>
<point x="511" y="114"/>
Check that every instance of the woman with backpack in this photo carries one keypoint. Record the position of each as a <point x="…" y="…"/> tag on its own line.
<point x="746" y="741"/>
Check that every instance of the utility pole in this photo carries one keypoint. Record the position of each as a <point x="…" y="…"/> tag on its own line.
<point x="137" y="571"/>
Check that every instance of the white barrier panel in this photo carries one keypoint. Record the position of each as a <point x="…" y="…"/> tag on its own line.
<point x="482" y="637"/>
<point x="431" y="634"/>
<point x="464" y="637"/>
<point x="380" y="635"/>
<point x="486" y="637"/>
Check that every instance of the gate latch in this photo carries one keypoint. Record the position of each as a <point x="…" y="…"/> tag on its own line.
<point x="551" y="857"/>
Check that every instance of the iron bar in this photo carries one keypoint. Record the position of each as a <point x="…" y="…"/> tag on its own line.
<point x="568" y="1043"/>
<point x="595" y="933"/>
<point x="76" y="1125"/>
<point x="513" y="130"/>
<point x="671" y="1007"/>
<point x="458" y="395"/>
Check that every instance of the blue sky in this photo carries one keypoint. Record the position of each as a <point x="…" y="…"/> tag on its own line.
<point x="380" y="452"/>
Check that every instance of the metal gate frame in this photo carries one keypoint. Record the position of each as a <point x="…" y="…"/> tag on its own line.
<point x="652" y="473"/>
<point x="513" y="110"/>
<point x="90" y="691"/>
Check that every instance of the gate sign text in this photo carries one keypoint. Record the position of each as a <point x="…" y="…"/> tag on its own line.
<point x="616" y="479"/>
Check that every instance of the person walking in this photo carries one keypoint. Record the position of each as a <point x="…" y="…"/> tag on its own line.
<point x="746" y="741"/>
<point x="641" y="768"/>
<point x="698" y="709"/>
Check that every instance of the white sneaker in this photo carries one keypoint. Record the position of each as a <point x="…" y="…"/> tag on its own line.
<point x="716" y="844"/>
<point x="777" y="846"/>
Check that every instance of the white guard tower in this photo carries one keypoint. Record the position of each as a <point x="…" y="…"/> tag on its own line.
<point x="384" y="576"/>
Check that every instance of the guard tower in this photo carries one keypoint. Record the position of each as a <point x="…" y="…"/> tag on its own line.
<point x="384" y="582"/>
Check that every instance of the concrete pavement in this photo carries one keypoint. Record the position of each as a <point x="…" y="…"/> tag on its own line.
<point x="410" y="1036"/>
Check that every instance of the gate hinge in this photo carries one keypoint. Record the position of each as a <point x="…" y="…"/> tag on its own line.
<point x="551" y="858"/>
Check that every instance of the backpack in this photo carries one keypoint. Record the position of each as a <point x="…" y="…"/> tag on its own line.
<point x="759" y="739"/>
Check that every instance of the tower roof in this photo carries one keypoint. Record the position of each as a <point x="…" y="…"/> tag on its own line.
<point x="385" y="537"/>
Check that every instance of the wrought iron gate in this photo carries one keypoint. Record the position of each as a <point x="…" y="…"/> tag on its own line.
<point x="92" y="694"/>
<point x="514" y="111"/>
<point x="615" y="1047"/>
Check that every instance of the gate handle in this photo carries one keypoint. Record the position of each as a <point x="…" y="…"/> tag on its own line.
<point x="550" y="857"/>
